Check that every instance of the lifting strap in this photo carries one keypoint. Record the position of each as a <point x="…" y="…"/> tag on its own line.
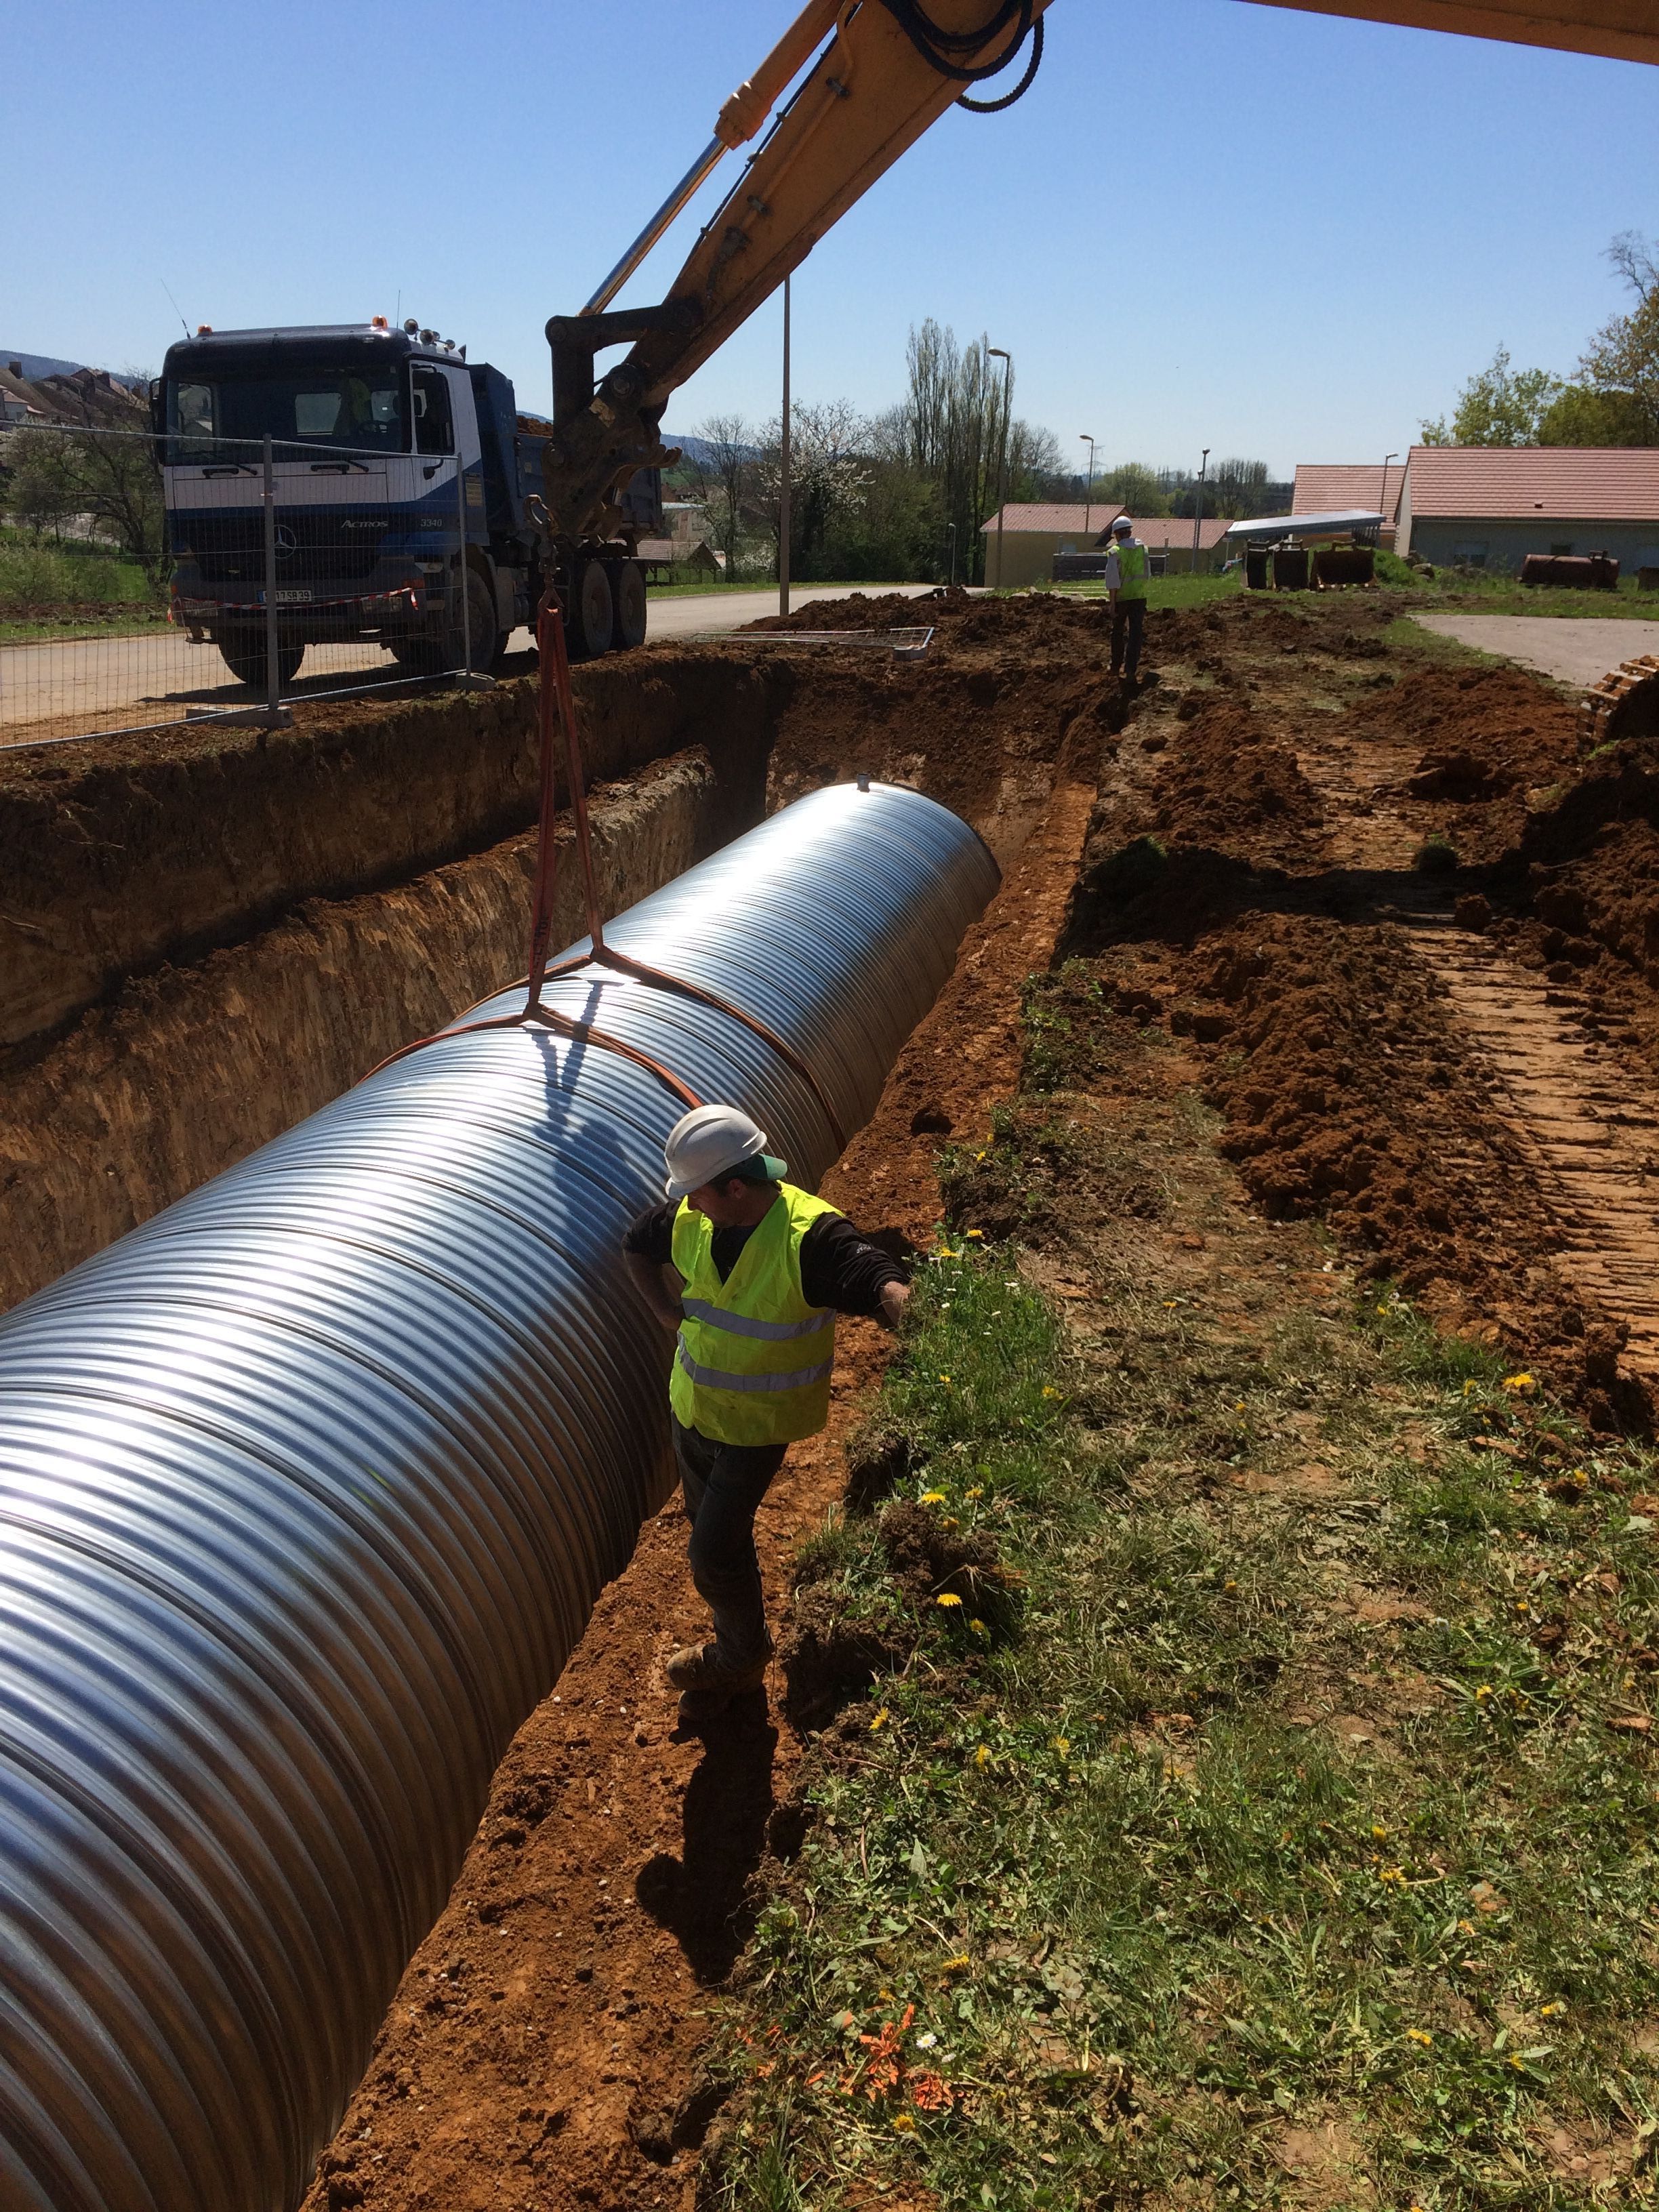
<point x="556" y="702"/>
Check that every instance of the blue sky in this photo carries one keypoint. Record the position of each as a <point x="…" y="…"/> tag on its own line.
<point x="1208" y="223"/>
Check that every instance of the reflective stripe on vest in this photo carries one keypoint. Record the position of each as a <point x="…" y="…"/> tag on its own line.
<point x="718" y="1378"/>
<point x="754" y="1358"/>
<point x="768" y="1332"/>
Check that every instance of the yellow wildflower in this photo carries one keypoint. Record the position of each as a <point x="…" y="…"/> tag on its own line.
<point x="943" y="1378"/>
<point x="954" y="1966"/>
<point x="904" y="2120"/>
<point x="933" y="1497"/>
<point x="1420" y="2035"/>
<point x="881" y="1719"/>
<point x="976" y="1232"/>
<point x="982" y="1756"/>
<point x="1378" y="1830"/>
<point x="947" y="1597"/>
<point x="1521" y="1383"/>
<point x="1062" y="1744"/>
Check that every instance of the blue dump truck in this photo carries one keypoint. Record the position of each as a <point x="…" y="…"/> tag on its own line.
<point x="407" y="492"/>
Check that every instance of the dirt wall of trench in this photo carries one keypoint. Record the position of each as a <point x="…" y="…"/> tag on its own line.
<point x="186" y="1071"/>
<point x="121" y="855"/>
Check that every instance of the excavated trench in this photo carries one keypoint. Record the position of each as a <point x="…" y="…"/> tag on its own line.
<point x="205" y="938"/>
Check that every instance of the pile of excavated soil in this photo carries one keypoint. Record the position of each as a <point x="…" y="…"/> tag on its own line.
<point x="1347" y="1095"/>
<point x="1228" y="786"/>
<point x="1488" y="737"/>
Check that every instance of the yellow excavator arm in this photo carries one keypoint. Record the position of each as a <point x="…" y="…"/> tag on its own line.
<point x="881" y="72"/>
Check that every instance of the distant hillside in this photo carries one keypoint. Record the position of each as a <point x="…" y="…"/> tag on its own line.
<point x="699" y="449"/>
<point x="32" y="365"/>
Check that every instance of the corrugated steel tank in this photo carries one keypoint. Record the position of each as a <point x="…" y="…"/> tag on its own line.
<point x="308" y="1486"/>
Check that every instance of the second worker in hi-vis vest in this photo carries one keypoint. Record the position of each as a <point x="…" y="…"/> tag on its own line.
<point x="759" y="1271"/>
<point x="1127" y="570"/>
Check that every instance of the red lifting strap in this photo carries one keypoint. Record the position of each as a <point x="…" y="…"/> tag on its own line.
<point x="557" y="699"/>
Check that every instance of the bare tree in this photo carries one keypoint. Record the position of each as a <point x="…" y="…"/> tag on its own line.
<point x="730" y="449"/>
<point x="1624" y="355"/>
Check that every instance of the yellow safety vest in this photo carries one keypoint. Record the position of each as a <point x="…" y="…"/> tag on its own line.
<point x="753" y="1362"/>
<point x="1132" y="571"/>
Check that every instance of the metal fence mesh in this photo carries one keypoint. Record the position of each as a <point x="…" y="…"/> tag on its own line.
<point x="144" y="582"/>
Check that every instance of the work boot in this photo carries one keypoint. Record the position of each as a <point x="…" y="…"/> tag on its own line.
<point x="708" y="1683"/>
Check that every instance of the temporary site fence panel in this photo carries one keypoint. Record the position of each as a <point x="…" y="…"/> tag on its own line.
<point x="308" y="1486"/>
<point x="143" y="581"/>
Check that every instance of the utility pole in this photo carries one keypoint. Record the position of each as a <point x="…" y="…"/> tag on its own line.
<point x="1089" y="493"/>
<point x="1384" y="501"/>
<point x="952" y="527"/>
<point x="783" y="470"/>
<point x="1198" y="510"/>
<point x="996" y="353"/>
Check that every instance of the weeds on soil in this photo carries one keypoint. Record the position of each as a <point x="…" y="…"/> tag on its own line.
<point x="1290" y="1836"/>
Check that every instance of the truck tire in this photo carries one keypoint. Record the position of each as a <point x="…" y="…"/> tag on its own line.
<point x="244" y="652"/>
<point x="488" y="641"/>
<point x="628" y="597"/>
<point x="592" y="619"/>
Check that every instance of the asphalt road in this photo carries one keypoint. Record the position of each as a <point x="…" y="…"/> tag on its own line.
<point x="1575" y="649"/>
<point x="106" y="683"/>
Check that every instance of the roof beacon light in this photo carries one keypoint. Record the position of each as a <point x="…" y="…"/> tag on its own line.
<point x="204" y="330"/>
<point x="379" y="322"/>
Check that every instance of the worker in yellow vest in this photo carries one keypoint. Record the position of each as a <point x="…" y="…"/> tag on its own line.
<point x="1127" y="570"/>
<point x="749" y="1272"/>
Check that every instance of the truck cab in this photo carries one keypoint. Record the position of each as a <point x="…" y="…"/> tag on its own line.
<point x="401" y="478"/>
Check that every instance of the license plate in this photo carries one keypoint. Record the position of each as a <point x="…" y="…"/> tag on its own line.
<point x="292" y="599"/>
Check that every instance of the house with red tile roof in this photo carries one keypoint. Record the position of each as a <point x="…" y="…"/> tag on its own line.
<point x="1489" y="506"/>
<point x="1033" y="531"/>
<point x="1346" y="487"/>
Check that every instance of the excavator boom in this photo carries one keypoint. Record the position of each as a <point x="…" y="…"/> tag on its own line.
<point x="889" y="69"/>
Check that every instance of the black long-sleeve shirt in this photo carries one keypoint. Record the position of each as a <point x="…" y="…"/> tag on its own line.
<point x="838" y="1267"/>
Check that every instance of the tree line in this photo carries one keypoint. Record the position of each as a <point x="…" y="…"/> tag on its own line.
<point x="1611" y="400"/>
<point x="904" y="495"/>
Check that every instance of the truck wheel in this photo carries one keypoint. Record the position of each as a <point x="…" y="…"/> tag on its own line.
<point x="627" y="597"/>
<point x="489" y="642"/>
<point x="592" y="619"/>
<point x="244" y="652"/>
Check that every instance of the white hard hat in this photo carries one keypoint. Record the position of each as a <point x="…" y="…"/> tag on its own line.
<point x="711" y="1141"/>
<point x="1123" y="523"/>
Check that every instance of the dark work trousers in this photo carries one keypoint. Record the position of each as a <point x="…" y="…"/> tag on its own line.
<point x="724" y="1484"/>
<point x="1128" y="615"/>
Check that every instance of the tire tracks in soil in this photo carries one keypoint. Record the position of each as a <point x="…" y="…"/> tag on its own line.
<point x="1585" y="1123"/>
<point x="543" y="2046"/>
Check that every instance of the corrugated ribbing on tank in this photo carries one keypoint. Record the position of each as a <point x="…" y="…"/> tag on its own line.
<point x="308" y="1486"/>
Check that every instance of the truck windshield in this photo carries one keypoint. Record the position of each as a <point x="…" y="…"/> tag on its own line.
<point x="347" y="410"/>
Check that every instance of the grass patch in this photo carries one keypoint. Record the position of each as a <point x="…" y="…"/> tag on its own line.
<point x="1293" y="1839"/>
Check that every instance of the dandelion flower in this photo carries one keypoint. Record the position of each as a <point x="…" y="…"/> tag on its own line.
<point x="1521" y="1383"/>
<point x="1483" y="1692"/>
<point x="1050" y="1391"/>
<point x="1420" y="2035"/>
<point x="978" y="1627"/>
<point x="954" y="1966"/>
<point x="904" y="2120"/>
<point x="1378" y="1830"/>
<point x="933" y="1497"/>
<point x="1546" y="2010"/>
<point x="976" y="1232"/>
<point x="973" y="1493"/>
<point x="943" y="1378"/>
<point x="947" y="1597"/>
<point x="881" y="1719"/>
<point x="1062" y="1744"/>
<point x="982" y="1756"/>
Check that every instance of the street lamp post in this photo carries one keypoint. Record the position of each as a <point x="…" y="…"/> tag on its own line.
<point x="997" y="352"/>
<point x="1384" y="501"/>
<point x="1089" y="492"/>
<point x="783" y="470"/>
<point x="952" y="527"/>
<point x="1198" y="509"/>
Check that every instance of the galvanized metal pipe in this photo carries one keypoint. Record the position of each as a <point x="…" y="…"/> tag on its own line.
<point x="307" y="1488"/>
